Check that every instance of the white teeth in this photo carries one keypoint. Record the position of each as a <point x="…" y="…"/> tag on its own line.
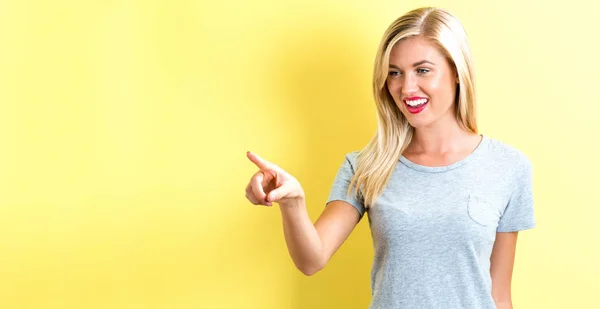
<point x="416" y="102"/>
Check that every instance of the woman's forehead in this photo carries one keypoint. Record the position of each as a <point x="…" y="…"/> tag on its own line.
<point x="414" y="49"/>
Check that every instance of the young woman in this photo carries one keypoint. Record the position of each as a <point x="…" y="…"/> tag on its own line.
<point x="444" y="202"/>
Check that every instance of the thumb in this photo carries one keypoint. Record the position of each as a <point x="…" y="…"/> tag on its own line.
<point x="278" y="194"/>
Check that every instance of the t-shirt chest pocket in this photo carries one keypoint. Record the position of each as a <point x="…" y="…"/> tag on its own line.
<point x="483" y="211"/>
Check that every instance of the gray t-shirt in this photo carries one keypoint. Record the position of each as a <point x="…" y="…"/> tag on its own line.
<point x="433" y="228"/>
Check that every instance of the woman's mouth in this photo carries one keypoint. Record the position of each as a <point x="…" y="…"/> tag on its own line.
<point x="416" y="105"/>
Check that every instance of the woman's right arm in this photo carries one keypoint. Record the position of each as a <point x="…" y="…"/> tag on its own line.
<point x="310" y="245"/>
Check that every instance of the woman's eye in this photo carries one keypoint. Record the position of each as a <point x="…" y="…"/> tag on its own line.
<point x="394" y="73"/>
<point x="422" y="71"/>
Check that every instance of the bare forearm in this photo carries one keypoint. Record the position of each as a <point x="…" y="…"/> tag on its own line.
<point x="301" y="237"/>
<point x="504" y="304"/>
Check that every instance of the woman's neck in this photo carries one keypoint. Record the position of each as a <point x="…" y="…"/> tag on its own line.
<point x="438" y="141"/>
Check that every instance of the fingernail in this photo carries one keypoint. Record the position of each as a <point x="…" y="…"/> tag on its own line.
<point x="273" y="197"/>
<point x="269" y="204"/>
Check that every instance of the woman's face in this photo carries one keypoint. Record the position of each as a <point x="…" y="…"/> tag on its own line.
<point x="422" y="83"/>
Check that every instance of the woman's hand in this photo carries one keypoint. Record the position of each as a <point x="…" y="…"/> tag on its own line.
<point x="272" y="184"/>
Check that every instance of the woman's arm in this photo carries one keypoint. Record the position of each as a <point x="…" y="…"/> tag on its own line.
<point x="312" y="246"/>
<point x="501" y="268"/>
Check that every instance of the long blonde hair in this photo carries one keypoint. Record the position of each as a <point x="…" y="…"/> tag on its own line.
<point x="376" y="162"/>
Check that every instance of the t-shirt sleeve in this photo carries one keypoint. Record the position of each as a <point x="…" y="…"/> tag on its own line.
<point x="519" y="214"/>
<point x="341" y="183"/>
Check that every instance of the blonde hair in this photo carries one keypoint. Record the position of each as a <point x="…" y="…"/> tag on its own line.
<point x="376" y="162"/>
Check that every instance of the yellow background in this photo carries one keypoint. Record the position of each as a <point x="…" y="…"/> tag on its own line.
<point x="124" y="127"/>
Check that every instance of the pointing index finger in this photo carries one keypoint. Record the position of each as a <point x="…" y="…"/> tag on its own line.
<point x="263" y="164"/>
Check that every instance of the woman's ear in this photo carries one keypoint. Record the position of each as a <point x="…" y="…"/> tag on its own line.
<point x="456" y="79"/>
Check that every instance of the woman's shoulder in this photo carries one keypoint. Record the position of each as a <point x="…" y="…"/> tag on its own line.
<point x="507" y="152"/>
<point x="351" y="158"/>
<point x="352" y="154"/>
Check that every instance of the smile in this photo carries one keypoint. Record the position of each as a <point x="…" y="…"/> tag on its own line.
<point x="416" y="106"/>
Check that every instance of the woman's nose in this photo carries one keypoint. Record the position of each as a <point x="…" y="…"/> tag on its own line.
<point x="409" y="84"/>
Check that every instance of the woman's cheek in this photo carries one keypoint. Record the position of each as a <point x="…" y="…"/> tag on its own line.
<point x="393" y="90"/>
<point x="434" y="84"/>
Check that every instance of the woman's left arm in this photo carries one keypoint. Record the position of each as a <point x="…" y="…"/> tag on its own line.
<point x="501" y="268"/>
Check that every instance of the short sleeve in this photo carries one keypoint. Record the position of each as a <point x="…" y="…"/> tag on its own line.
<point x="519" y="214"/>
<point x="341" y="183"/>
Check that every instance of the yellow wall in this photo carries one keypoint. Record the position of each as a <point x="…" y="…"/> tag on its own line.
<point x="124" y="127"/>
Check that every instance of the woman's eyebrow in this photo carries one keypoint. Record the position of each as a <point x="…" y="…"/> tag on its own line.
<point x="414" y="64"/>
